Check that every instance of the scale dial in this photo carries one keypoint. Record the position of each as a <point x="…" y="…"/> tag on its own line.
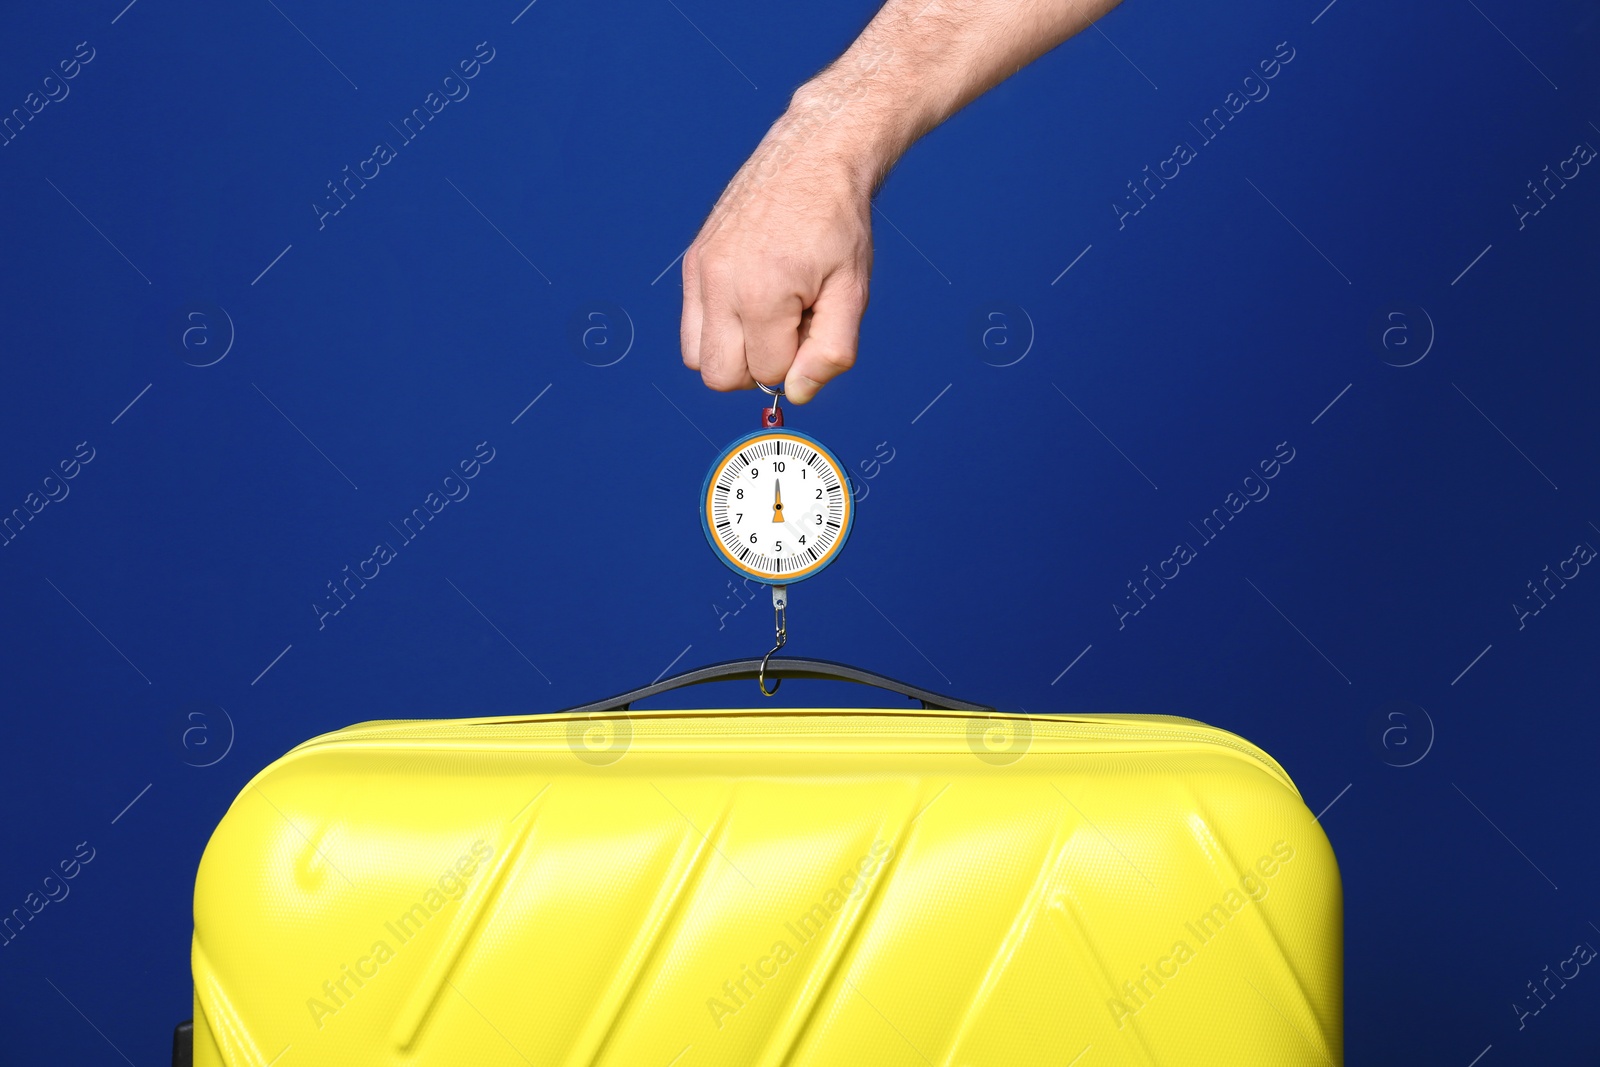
<point x="776" y="506"/>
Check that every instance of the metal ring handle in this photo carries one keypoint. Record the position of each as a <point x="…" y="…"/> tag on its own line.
<point x="772" y="390"/>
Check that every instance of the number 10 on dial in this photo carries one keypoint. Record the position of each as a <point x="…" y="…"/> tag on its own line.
<point x="776" y="506"/>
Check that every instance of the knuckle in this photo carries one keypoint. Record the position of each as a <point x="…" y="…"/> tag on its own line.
<point x="763" y="289"/>
<point x="862" y="293"/>
<point x="718" y="282"/>
<point x="694" y="261"/>
<point x="855" y="289"/>
<point x="837" y="358"/>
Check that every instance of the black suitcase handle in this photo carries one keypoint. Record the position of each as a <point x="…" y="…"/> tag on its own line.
<point x="751" y="669"/>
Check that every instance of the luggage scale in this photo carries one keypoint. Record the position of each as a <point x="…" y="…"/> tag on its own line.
<point x="776" y="508"/>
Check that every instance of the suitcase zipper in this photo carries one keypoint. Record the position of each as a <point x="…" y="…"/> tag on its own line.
<point x="1064" y="728"/>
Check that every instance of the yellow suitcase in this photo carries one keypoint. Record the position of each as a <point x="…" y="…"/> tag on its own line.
<point x="943" y="887"/>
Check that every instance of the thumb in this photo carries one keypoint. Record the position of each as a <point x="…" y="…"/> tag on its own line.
<point x="829" y="346"/>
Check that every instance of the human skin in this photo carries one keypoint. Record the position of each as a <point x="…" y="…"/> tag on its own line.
<point x="776" y="282"/>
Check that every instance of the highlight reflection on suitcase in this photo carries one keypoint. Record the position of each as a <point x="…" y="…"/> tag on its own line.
<point x="782" y="887"/>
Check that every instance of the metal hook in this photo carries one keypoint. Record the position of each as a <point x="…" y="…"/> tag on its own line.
<point x="774" y="391"/>
<point x="780" y="619"/>
<point x="761" y="677"/>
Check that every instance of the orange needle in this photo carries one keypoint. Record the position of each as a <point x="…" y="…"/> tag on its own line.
<point x="777" y="501"/>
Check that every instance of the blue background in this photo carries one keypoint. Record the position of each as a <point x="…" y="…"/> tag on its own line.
<point x="378" y="351"/>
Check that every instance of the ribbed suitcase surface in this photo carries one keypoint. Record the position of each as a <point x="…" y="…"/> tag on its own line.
<point x="673" y="889"/>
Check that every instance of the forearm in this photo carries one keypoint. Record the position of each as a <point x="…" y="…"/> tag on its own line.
<point x="917" y="63"/>
<point x="775" y="284"/>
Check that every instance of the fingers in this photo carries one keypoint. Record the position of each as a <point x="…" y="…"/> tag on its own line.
<point x="689" y="328"/>
<point x="771" y="337"/>
<point x="722" y="350"/>
<point x="829" y="347"/>
<point x="747" y="332"/>
<point x="751" y="315"/>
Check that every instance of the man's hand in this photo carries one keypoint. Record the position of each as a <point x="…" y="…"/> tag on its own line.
<point x="775" y="284"/>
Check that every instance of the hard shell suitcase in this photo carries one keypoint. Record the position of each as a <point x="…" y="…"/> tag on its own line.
<point x="928" y="888"/>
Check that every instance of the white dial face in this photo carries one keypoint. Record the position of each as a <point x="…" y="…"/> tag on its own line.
<point x="778" y="508"/>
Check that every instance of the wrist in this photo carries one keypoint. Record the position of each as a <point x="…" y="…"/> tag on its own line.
<point x="846" y="120"/>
